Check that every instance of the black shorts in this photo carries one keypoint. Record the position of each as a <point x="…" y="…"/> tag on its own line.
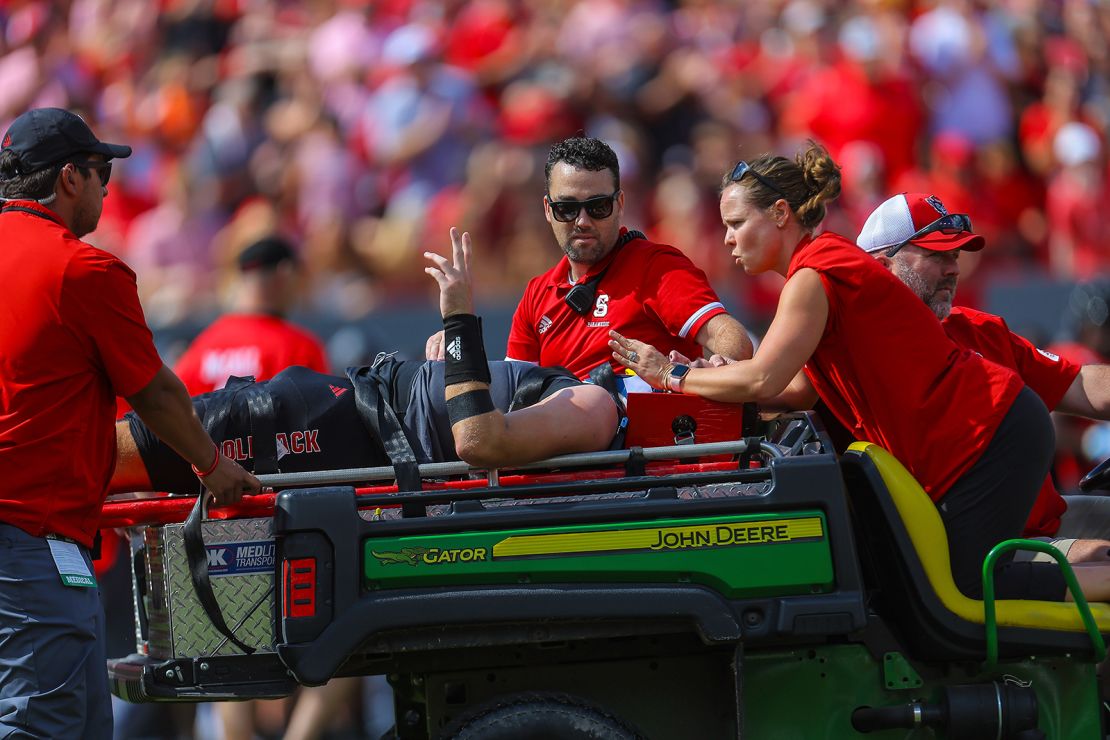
<point x="991" y="502"/>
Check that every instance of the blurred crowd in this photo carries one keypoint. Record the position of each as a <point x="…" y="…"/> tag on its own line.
<point x="363" y="129"/>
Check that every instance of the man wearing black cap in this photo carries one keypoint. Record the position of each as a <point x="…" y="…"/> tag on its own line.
<point x="72" y="339"/>
<point x="254" y="340"/>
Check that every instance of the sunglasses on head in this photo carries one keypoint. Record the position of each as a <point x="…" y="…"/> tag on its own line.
<point x="953" y="223"/>
<point x="596" y="208"/>
<point x="103" y="169"/>
<point x="743" y="168"/>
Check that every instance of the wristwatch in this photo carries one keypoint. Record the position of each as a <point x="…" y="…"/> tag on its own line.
<point x="676" y="376"/>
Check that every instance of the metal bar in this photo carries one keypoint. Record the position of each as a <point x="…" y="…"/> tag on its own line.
<point x="991" y="624"/>
<point x="439" y="470"/>
<point x="601" y="485"/>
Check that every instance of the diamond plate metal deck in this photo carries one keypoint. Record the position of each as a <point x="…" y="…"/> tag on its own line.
<point x="178" y="626"/>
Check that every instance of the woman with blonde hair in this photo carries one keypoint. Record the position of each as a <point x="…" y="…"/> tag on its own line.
<point x="846" y="330"/>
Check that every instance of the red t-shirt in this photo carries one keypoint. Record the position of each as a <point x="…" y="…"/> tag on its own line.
<point x="888" y="372"/>
<point x="72" y="338"/>
<point x="1049" y="376"/>
<point x="652" y="292"/>
<point x="247" y="345"/>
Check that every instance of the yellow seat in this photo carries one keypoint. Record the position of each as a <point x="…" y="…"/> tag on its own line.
<point x="930" y="541"/>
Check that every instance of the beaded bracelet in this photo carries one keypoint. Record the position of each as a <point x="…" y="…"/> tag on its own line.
<point x="211" y="468"/>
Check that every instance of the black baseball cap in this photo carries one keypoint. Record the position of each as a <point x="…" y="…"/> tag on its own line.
<point x="42" y="137"/>
<point x="269" y="251"/>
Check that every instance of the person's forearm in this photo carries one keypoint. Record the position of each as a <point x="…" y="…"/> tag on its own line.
<point x="1089" y="394"/>
<point x="798" y="396"/>
<point x="165" y="407"/>
<point x="736" y="383"/>
<point x="725" y="336"/>
<point x="578" y="419"/>
<point x="479" y="439"/>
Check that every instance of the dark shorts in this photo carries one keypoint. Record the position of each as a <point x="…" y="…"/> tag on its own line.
<point x="991" y="502"/>
<point x="53" y="675"/>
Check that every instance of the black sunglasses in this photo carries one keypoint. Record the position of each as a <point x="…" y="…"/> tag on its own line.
<point x="103" y="169"/>
<point x="952" y="223"/>
<point x="596" y="208"/>
<point x="743" y="168"/>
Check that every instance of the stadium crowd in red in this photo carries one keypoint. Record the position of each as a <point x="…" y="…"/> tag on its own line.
<point x="363" y="129"/>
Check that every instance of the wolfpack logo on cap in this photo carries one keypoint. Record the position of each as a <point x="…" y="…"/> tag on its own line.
<point x="934" y="201"/>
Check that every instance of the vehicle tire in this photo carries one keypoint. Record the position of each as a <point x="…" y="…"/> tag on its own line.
<point x="538" y="716"/>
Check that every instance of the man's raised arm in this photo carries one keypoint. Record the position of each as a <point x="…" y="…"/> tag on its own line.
<point x="578" y="419"/>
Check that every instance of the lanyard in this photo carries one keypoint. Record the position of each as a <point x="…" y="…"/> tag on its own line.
<point x="32" y="211"/>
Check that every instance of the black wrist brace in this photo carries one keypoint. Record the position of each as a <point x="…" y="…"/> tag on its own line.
<point x="463" y="350"/>
<point x="466" y="405"/>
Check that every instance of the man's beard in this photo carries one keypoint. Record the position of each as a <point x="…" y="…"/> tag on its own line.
<point x="85" y="221"/>
<point x="586" y="255"/>
<point x="939" y="306"/>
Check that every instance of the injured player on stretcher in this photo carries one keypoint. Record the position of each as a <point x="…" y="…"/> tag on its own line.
<point x="315" y="423"/>
<point x="488" y="414"/>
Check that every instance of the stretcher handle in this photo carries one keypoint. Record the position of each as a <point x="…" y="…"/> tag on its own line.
<point x="440" y="470"/>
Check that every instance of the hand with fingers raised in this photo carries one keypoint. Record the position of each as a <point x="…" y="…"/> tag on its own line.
<point x="453" y="276"/>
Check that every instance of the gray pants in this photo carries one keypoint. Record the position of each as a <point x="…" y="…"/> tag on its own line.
<point x="53" y="676"/>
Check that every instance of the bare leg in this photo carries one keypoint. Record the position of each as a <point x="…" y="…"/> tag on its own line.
<point x="1094" y="581"/>
<point x="237" y="719"/>
<point x="1089" y="551"/>
<point x="317" y="706"/>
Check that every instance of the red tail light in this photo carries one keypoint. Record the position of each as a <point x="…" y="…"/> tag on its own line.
<point x="299" y="576"/>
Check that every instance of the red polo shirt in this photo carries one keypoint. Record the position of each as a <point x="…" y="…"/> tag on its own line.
<point x="652" y="292"/>
<point x="888" y="372"/>
<point x="72" y="338"/>
<point x="247" y="345"/>
<point x="1049" y="376"/>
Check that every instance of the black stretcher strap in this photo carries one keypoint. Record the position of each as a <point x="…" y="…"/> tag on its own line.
<point x="603" y="377"/>
<point x="198" y="571"/>
<point x="371" y="400"/>
<point x="215" y="419"/>
<point x="260" y="405"/>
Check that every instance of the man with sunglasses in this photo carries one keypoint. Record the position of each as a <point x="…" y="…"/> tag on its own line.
<point x="611" y="278"/>
<point x="914" y="236"/>
<point x="72" y="339"/>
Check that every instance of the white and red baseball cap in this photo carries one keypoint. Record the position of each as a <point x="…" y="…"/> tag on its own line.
<point x="899" y="218"/>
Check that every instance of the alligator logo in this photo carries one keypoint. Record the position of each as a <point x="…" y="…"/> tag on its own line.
<point x="407" y="556"/>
